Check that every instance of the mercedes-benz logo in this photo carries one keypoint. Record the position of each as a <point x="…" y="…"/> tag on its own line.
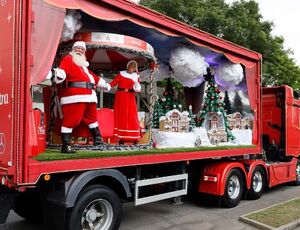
<point x="2" y="143"/>
<point x="3" y="2"/>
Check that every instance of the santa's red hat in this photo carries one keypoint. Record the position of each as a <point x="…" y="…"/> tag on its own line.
<point x="79" y="44"/>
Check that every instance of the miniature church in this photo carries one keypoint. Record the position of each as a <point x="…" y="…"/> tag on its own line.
<point x="216" y="130"/>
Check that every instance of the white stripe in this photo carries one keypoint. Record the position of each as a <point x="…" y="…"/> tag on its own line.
<point x="126" y="136"/>
<point x="125" y="130"/>
<point x="66" y="130"/>
<point x="79" y="98"/>
<point x="89" y="75"/>
<point x="107" y="37"/>
<point x="93" y="125"/>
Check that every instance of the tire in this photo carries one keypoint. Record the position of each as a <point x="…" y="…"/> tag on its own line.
<point x="96" y="206"/>
<point x="234" y="187"/>
<point x="28" y="205"/>
<point x="258" y="184"/>
<point x="297" y="181"/>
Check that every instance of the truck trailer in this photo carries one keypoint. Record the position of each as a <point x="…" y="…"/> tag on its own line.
<point x="233" y="154"/>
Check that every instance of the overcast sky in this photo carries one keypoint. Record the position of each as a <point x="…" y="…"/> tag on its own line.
<point x="286" y="17"/>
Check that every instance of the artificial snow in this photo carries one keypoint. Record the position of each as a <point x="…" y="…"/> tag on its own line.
<point x="72" y="24"/>
<point x="242" y="136"/>
<point x="187" y="140"/>
<point x="174" y="140"/>
<point x="188" y="66"/>
<point x="229" y="74"/>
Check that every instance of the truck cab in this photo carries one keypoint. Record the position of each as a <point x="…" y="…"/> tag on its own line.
<point x="280" y="122"/>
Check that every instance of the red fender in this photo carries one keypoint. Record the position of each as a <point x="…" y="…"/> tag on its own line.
<point x="213" y="176"/>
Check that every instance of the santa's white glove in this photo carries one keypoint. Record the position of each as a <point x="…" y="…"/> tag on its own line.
<point x="107" y="87"/>
<point x="59" y="75"/>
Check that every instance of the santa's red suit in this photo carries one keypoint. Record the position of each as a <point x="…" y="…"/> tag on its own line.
<point x="78" y="97"/>
<point x="125" y="109"/>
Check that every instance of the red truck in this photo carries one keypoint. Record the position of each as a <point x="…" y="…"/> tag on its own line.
<point x="88" y="192"/>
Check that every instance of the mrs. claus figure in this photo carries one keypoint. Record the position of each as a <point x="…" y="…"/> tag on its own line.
<point x="126" y="116"/>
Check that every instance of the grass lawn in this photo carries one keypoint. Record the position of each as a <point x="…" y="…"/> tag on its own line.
<point x="51" y="155"/>
<point x="278" y="215"/>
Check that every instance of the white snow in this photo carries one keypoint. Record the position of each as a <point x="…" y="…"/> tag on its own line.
<point x="229" y="74"/>
<point x="174" y="140"/>
<point x="187" y="140"/>
<point x="72" y="24"/>
<point x="243" y="136"/>
<point x="188" y="66"/>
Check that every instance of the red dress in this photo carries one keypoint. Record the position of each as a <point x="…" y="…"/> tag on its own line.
<point x="125" y="109"/>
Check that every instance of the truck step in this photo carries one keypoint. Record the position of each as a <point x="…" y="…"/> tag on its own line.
<point x="175" y="185"/>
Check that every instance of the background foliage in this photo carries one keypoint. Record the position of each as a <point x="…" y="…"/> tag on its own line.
<point x="240" y="23"/>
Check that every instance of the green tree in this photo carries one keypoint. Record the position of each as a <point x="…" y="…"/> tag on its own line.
<point x="192" y="119"/>
<point x="227" y="104"/>
<point x="170" y="101"/>
<point x="157" y="113"/>
<point x="240" y="22"/>
<point x="213" y="104"/>
<point x="237" y="104"/>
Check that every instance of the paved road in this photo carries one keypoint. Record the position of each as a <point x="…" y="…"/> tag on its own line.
<point x="191" y="215"/>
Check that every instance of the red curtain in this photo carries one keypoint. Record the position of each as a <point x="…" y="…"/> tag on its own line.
<point x="46" y="32"/>
<point x="253" y="84"/>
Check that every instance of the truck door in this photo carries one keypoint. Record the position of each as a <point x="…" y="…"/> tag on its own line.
<point x="293" y="124"/>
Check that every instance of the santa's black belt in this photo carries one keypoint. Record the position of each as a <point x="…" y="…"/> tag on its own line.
<point x="126" y="90"/>
<point x="78" y="84"/>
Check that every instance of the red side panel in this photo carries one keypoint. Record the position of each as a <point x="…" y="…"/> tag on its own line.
<point x="7" y="75"/>
<point x="282" y="172"/>
<point x="292" y="124"/>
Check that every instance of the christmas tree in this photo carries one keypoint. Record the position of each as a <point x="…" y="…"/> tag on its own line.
<point x="170" y="102"/>
<point x="157" y="113"/>
<point x="227" y="104"/>
<point x="213" y="103"/>
<point x="238" y="104"/>
<point x="192" y="119"/>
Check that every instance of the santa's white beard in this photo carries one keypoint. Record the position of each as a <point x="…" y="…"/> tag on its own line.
<point x="79" y="59"/>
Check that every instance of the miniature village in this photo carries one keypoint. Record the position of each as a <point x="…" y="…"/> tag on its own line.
<point x="215" y="124"/>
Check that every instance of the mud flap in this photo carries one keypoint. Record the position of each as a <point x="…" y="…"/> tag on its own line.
<point x="54" y="217"/>
<point x="6" y="201"/>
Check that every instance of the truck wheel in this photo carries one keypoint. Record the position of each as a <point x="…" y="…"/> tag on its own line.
<point x="98" y="208"/>
<point x="233" y="189"/>
<point x="297" y="182"/>
<point x="258" y="184"/>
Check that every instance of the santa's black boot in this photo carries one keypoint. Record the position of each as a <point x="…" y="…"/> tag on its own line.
<point x="96" y="136"/>
<point x="66" y="140"/>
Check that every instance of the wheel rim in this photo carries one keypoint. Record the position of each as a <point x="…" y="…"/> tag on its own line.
<point x="234" y="187"/>
<point x="298" y="172"/>
<point x="257" y="181"/>
<point x="98" y="215"/>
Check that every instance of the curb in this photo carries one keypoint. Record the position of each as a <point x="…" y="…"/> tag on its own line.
<point x="288" y="226"/>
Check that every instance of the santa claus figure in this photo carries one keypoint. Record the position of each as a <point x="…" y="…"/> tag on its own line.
<point x="126" y="116"/>
<point x="78" y="97"/>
